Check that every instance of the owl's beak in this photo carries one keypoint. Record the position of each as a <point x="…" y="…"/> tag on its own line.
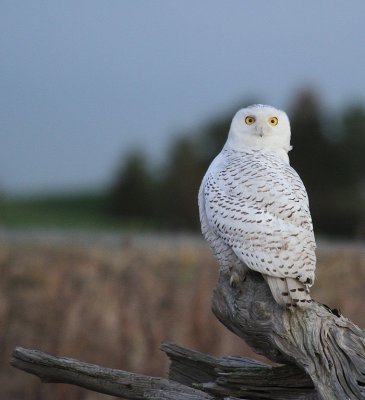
<point x="260" y="131"/>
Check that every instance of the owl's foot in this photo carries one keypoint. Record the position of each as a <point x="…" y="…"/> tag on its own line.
<point x="237" y="275"/>
<point x="234" y="279"/>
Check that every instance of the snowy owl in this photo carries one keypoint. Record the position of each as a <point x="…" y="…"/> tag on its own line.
<point x="254" y="209"/>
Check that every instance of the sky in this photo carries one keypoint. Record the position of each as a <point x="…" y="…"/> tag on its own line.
<point x="82" y="82"/>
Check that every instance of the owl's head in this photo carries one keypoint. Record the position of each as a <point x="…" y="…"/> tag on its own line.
<point x="262" y="127"/>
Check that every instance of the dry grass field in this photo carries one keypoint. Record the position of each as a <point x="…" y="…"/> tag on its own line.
<point x="114" y="304"/>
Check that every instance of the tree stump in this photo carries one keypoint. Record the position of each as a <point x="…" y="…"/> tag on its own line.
<point x="323" y="353"/>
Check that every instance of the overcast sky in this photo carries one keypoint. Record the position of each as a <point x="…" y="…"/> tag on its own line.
<point x="82" y="82"/>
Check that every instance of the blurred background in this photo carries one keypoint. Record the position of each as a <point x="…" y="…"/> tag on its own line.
<point x="110" y="113"/>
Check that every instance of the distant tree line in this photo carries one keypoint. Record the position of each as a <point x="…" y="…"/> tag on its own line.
<point x="329" y="155"/>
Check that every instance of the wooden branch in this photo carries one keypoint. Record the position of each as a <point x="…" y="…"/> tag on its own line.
<point x="193" y="375"/>
<point x="324" y="344"/>
<point x="237" y="376"/>
<point x="104" y="380"/>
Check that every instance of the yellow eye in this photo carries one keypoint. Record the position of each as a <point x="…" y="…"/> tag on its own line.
<point x="273" y="121"/>
<point x="250" y="120"/>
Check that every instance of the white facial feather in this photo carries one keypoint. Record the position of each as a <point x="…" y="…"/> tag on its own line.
<point x="260" y="134"/>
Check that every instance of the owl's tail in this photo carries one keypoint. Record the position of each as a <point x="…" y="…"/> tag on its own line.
<point x="289" y="292"/>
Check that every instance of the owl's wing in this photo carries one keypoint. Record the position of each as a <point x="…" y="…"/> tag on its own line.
<point x="259" y="207"/>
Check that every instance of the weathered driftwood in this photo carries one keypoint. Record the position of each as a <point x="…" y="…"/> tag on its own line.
<point x="321" y="342"/>
<point x="236" y="376"/>
<point x="324" y="353"/>
<point x="51" y="369"/>
<point x="192" y="375"/>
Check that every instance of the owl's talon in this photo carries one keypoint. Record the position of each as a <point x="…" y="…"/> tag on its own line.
<point x="234" y="279"/>
<point x="237" y="277"/>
